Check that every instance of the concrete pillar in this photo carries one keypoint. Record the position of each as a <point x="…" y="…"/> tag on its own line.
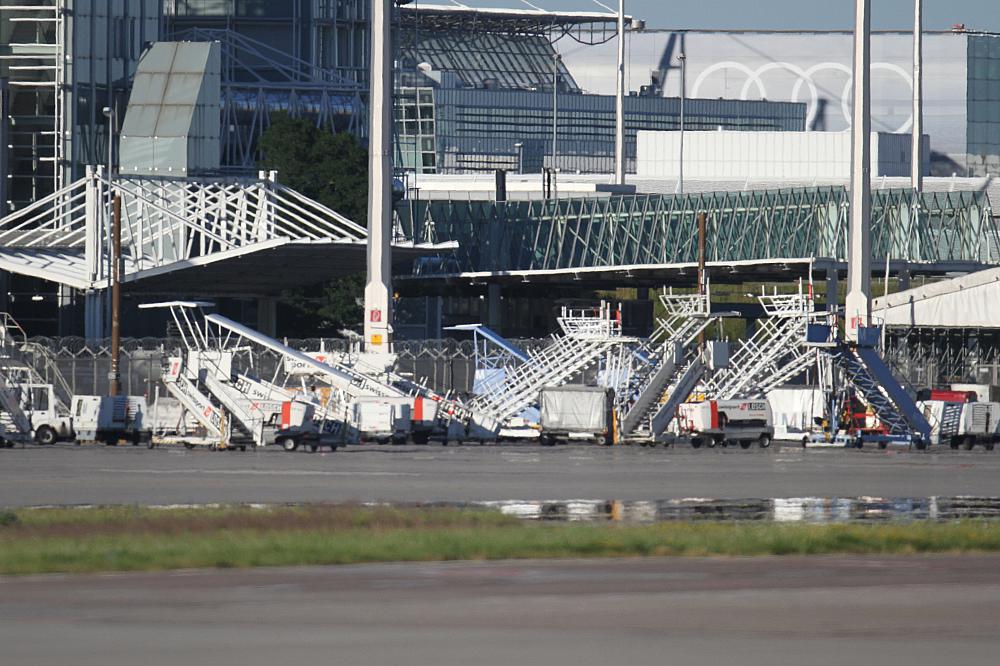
<point x="832" y="289"/>
<point x="4" y="157"/>
<point x="435" y="316"/>
<point x="93" y="315"/>
<point x="267" y="316"/>
<point x="378" y="290"/>
<point x="64" y="312"/>
<point x="904" y="278"/>
<point x="858" y="306"/>
<point x="493" y="307"/>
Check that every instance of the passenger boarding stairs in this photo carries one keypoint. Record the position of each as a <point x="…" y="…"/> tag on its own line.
<point x="247" y="415"/>
<point x="197" y="404"/>
<point x="15" y="422"/>
<point x="775" y="353"/>
<point x="20" y="361"/>
<point x="865" y="370"/>
<point x="660" y="361"/>
<point x="587" y="335"/>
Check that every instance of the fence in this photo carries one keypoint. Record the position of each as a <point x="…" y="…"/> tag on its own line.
<point x="443" y="365"/>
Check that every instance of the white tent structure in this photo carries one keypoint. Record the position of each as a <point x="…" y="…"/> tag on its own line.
<point x="968" y="301"/>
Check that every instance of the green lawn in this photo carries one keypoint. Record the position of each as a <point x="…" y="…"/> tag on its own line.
<point x="133" y="539"/>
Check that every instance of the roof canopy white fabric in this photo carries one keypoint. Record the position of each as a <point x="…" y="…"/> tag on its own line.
<point x="969" y="301"/>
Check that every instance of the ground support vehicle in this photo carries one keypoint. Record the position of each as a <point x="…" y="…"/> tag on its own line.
<point x="956" y="421"/>
<point x="381" y="420"/>
<point x="724" y="422"/>
<point x="576" y="412"/>
<point x="110" y="419"/>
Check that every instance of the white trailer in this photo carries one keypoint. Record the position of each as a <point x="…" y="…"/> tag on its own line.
<point x="723" y="422"/>
<point x="110" y="419"/>
<point x="576" y="412"/>
<point x="962" y="424"/>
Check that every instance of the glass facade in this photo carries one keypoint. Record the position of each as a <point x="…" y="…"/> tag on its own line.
<point x="649" y="229"/>
<point x="983" y="101"/>
<point x="456" y="130"/>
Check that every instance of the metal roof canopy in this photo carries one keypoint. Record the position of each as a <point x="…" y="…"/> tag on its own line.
<point x="523" y="21"/>
<point x="658" y="275"/>
<point x="270" y="271"/>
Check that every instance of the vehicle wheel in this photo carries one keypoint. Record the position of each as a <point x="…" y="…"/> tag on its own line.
<point x="243" y="447"/>
<point x="805" y="442"/>
<point x="764" y="441"/>
<point x="953" y="443"/>
<point x="421" y="438"/>
<point x="968" y="443"/>
<point x="188" y="445"/>
<point x="989" y="445"/>
<point x="745" y="444"/>
<point x="920" y="444"/>
<point x="289" y="444"/>
<point x="313" y="448"/>
<point x="695" y="442"/>
<point x="45" y="436"/>
<point x="883" y="445"/>
<point x="859" y="443"/>
<point x="546" y="440"/>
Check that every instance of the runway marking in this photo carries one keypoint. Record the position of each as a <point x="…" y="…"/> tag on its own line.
<point x="257" y="472"/>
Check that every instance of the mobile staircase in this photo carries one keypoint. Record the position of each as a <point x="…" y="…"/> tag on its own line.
<point x="776" y="352"/>
<point x="662" y="368"/>
<point x="20" y="361"/>
<point x="587" y="335"/>
<point x="897" y="412"/>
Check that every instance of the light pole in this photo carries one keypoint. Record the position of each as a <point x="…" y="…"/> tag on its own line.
<point x="519" y="147"/>
<point x="556" y="59"/>
<point x="680" y="165"/>
<point x="620" y="99"/>
<point x="917" y="151"/>
<point x="109" y="113"/>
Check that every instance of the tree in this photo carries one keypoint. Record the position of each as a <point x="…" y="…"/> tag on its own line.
<point x="333" y="170"/>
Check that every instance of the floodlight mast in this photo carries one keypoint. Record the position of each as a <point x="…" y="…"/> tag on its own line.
<point x="858" y="305"/>
<point x="620" y="99"/>
<point x="378" y="304"/>
<point x="917" y="151"/>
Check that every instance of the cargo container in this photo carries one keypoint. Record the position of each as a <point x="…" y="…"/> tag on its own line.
<point x="576" y="412"/>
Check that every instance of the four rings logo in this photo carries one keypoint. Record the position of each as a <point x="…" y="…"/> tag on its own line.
<point x="755" y="79"/>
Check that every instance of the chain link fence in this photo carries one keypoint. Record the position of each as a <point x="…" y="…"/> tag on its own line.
<point x="442" y="365"/>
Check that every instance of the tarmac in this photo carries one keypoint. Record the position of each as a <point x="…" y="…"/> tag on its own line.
<point x="911" y="610"/>
<point x="67" y="474"/>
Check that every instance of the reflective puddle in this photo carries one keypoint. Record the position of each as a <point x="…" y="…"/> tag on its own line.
<point x="784" y="509"/>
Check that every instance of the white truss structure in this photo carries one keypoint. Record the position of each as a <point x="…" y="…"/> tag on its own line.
<point x="643" y="377"/>
<point x="775" y="353"/>
<point x="588" y="334"/>
<point x="167" y="224"/>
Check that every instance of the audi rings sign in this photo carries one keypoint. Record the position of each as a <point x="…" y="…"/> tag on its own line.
<point x="809" y="67"/>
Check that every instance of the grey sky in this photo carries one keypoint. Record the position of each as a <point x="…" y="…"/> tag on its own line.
<point x="780" y="14"/>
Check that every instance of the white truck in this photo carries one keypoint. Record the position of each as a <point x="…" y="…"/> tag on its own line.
<point x="382" y="419"/>
<point x="575" y="412"/>
<point x="724" y="422"/>
<point x="962" y="423"/>
<point x="107" y="419"/>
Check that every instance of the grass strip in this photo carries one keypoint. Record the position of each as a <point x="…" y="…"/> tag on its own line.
<point x="43" y="541"/>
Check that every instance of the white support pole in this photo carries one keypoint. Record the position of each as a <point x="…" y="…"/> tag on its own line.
<point x="917" y="152"/>
<point x="378" y="304"/>
<point x="858" y="302"/>
<point x="620" y="100"/>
